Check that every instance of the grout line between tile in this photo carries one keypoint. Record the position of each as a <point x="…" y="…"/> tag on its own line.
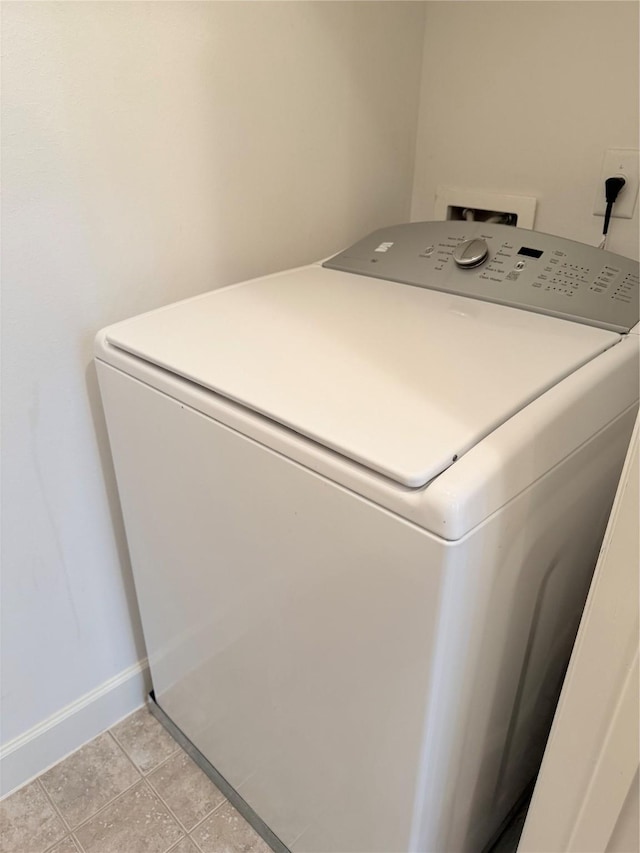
<point x="224" y="802"/>
<point x="155" y="767"/>
<point x="165" y="760"/>
<point x="143" y="777"/>
<point x="65" y="823"/>
<point x="142" y="781"/>
<point x="70" y="827"/>
<point x="55" y="844"/>
<point x="126" y="754"/>
<point x="195" y="843"/>
<point x="167" y="807"/>
<point x="166" y="804"/>
<point x="70" y="835"/>
<point x="106" y="805"/>
<point x="175" y="846"/>
<point x="76" y="841"/>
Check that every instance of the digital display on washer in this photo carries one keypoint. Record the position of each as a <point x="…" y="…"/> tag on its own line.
<point x="530" y="253"/>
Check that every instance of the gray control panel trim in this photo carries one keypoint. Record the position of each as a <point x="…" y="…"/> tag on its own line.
<point x="524" y="269"/>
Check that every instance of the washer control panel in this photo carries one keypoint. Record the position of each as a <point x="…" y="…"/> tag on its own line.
<point x="500" y="263"/>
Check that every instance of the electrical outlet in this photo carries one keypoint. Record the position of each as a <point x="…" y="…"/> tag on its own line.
<point x="619" y="161"/>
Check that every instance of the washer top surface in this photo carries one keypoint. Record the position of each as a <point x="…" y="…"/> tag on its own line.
<point x="400" y="379"/>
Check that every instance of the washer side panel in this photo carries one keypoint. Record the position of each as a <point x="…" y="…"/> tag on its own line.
<point x="510" y="609"/>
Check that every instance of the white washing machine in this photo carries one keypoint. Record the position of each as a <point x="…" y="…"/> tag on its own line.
<point x="363" y="501"/>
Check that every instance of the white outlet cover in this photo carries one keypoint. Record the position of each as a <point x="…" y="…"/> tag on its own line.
<point x="618" y="161"/>
<point x="523" y="206"/>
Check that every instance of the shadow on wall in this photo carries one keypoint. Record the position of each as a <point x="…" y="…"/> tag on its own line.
<point x="115" y="510"/>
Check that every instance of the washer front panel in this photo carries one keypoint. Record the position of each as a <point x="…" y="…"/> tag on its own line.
<point x="524" y="269"/>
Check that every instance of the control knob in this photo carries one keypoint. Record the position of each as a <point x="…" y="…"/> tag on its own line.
<point x="471" y="253"/>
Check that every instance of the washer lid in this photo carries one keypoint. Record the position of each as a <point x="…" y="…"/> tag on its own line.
<point x="397" y="378"/>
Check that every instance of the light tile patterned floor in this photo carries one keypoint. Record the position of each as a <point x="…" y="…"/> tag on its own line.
<point x="131" y="790"/>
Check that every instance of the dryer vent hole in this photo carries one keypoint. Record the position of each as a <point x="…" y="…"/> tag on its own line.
<point x="475" y="214"/>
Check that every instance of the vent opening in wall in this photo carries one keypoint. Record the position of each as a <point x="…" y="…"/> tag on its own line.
<point x="457" y="212"/>
<point x="452" y="202"/>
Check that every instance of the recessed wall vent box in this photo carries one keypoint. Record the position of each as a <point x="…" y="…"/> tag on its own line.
<point x="451" y="204"/>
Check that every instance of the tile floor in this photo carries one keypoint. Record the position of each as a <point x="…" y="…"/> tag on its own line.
<point x="131" y="790"/>
<point x="134" y="790"/>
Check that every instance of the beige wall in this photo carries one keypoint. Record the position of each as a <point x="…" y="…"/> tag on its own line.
<point x="152" y="151"/>
<point x="523" y="98"/>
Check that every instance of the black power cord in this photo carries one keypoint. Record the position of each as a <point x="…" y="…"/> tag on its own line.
<point x="612" y="187"/>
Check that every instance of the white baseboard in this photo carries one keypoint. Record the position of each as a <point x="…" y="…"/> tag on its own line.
<point x="31" y="753"/>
